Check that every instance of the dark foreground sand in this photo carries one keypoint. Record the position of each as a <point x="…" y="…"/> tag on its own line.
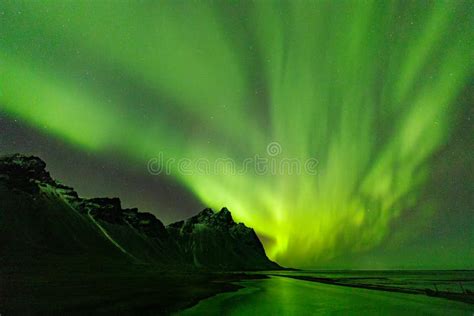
<point x="49" y="289"/>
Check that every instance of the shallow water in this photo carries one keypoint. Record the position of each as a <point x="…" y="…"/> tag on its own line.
<point x="285" y="296"/>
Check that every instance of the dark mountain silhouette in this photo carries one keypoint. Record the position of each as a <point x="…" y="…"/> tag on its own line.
<point x="214" y="240"/>
<point x="41" y="218"/>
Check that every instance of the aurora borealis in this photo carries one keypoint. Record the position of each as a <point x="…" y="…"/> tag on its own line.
<point x="378" y="92"/>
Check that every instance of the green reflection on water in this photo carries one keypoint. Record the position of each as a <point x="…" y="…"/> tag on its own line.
<point x="284" y="296"/>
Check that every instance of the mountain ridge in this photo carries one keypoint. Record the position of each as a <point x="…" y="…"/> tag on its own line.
<point x="54" y="214"/>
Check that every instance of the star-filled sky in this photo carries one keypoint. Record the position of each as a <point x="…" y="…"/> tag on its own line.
<point x="377" y="95"/>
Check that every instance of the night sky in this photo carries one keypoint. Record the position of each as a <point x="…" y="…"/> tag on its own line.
<point x="378" y="95"/>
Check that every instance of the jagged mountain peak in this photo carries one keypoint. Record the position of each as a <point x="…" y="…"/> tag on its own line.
<point x="204" y="214"/>
<point x="225" y="215"/>
<point x="214" y="239"/>
<point x="209" y="217"/>
<point x="19" y="167"/>
<point x="24" y="161"/>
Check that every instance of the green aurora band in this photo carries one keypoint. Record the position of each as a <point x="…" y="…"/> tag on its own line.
<point x="368" y="88"/>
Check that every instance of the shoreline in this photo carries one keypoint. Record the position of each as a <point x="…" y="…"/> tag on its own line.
<point x="460" y="297"/>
